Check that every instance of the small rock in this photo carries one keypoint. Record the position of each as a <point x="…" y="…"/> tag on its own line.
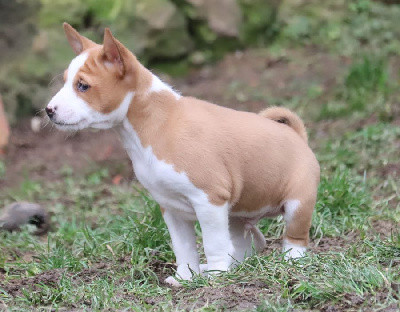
<point x="17" y="214"/>
<point x="36" y="124"/>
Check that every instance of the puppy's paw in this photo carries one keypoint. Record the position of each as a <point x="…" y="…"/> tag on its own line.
<point x="172" y="281"/>
<point x="203" y="269"/>
<point x="293" y="251"/>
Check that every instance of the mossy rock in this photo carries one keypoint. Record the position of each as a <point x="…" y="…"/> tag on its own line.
<point x="218" y="27"/>
<point x="259" y="20"/>
<point x="153" y="29"/>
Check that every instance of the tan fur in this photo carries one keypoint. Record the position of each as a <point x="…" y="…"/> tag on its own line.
<point x="249" y="160"/>
<point x="286" y="116"/>
<point x="107" y="90"/>
<point x="107" y="87"/>
<point x="217" y="147"/>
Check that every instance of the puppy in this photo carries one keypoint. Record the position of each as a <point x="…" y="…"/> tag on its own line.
<point x="225" y="168"/>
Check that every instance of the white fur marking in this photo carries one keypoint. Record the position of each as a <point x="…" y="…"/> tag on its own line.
<point x="73" y="113"/>
<point x="290" y="209"/>
<point x="157" y="85"/>
<point x="217" y="242"/>
<point x="171" y="189"/>
<point x="184" y="244"/>
<point x="182" y="200"/>
<point x="295" y="251"/>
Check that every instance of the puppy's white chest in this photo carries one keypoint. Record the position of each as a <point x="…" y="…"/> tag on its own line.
<point x="171" y="189"/>
<point x="168" y="187"/>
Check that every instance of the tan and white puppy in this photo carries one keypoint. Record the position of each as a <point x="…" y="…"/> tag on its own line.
<point x="225" y="168"/>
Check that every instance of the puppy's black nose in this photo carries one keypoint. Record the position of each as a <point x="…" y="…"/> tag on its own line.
<point x="50" y="111"/>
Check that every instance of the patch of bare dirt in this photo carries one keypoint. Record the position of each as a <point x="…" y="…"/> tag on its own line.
<point x="51" y="278"/>
<point x="337" y="243"/>
<point x="384" y="227"/>
<point x="98" y="270"/>
<point x="392" y="169"/>
<point x="228" y="82"/>
<point x="230" y="298"/>
<point x="353" y="302"/>
<point x="43" y="155"/>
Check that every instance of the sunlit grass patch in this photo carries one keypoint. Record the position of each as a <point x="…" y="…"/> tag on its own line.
<point x="365" y="89"/>
<point x="109" y="264"/>
<point x="367" y="149"/>
<point x="343" y="204"/>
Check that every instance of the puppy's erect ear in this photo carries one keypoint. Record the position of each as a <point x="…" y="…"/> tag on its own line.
<point x="77" y="42"/>
<point x="113" y="51"/>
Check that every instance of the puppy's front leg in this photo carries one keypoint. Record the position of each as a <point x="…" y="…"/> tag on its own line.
<point x="184" y="245"/>
<point x="218" y="247"/>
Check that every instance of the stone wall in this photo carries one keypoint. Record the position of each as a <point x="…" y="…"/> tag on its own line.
<point x="159" y="32"/>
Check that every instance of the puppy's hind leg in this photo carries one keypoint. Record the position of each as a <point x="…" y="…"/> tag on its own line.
<point x="244" y="239"/>
<point x="297" y="215"/>
<point x="217" y="242"/>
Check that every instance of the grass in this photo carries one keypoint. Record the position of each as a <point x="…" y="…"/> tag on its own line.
<point x="365" y="88"/>
<point x="109" y="248"/>
<point x="343" y="27"/>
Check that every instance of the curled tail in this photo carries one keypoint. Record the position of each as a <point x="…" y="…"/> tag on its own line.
<point x="286" y="116"/>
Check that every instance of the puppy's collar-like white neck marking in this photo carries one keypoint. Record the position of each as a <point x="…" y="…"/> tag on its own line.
<point x="157" y="85"/>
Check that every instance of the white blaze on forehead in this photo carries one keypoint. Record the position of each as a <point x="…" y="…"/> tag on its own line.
<point x="72" y="112"/>
<point x="74" y="67"/>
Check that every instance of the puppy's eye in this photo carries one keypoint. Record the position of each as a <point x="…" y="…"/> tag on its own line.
<point x="82" y="87"/>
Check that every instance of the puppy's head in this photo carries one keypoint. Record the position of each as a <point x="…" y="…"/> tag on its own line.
<point x="99" y="84"/>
